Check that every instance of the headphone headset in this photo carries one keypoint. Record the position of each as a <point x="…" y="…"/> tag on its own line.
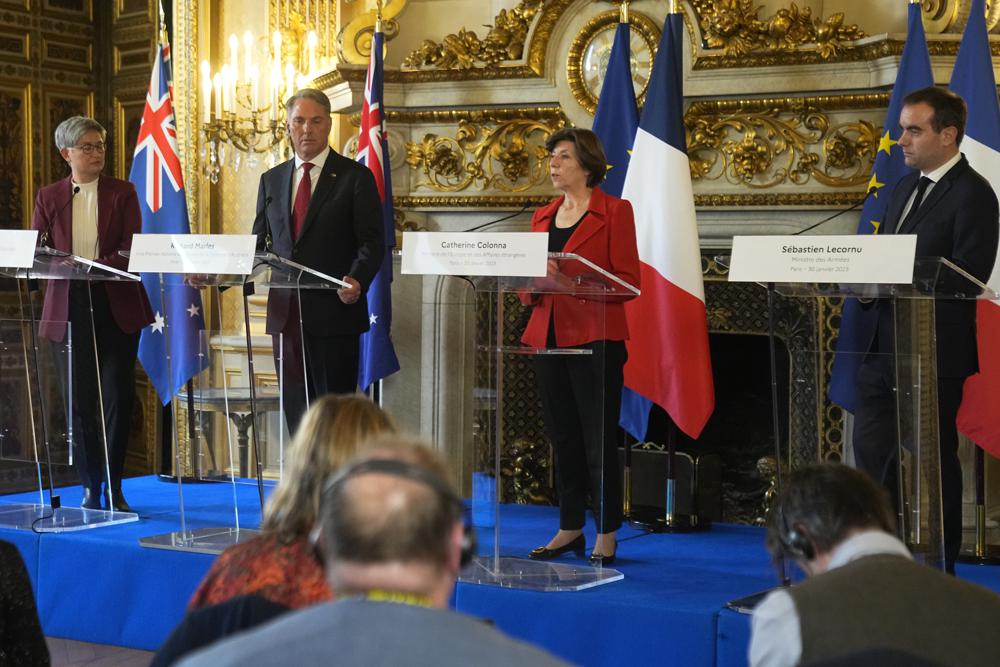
<point x="795" y="543"/>
<point x="413" y="473"/>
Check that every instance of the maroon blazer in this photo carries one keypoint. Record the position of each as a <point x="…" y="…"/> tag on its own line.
<point x="118" y="218"/>
<point x="606" y="237"/>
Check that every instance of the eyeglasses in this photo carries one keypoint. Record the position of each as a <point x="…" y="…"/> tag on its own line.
<point x="88" y="149"/>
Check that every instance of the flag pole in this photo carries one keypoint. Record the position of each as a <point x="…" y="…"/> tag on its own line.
<point x="627" y="458"/>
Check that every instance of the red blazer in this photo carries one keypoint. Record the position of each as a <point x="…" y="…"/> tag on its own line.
<point x="606" y="237"/>
<point x="118" y="218"/>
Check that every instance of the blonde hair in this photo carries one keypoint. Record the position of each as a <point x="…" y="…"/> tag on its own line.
<point x="331" y="433"/>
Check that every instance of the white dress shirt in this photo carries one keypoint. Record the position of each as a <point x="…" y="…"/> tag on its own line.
<point x="776" y="638"/>
<point x="935" y="176"/>
<point x="85" y="220"/>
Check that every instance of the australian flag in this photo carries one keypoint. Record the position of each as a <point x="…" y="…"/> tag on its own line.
<point x="378" y="357"/>
<point x="857" y="326"/>
<point x="156" y="173"/>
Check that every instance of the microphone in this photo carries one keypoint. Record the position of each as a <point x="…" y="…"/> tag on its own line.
<point x="868" y="194"/>
<point x="268" y="241"/>
<point x="527" y="205"/>
<point x="44" y="239"/>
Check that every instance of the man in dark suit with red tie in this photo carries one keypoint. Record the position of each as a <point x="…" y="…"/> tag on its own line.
<point x="953" y="212"/>
<point x="322" y="210"/>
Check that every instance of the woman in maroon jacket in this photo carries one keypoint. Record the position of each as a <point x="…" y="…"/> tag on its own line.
<point x="94" y="216"/>
<point x="581" y="394"/>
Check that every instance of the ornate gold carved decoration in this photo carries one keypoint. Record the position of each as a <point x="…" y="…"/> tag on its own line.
<point x="354" y="42"/>
<point x="951" y="15"/>
<point x="769" y="148"/>
<point x="466" y="50"/>
<point x="552" y="115"/>
<point x="643" y="28"/>
<point x="504" y="157"/>
<point x="734" y="27"/>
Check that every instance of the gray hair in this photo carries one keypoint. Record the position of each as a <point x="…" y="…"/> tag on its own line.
<point x="317" y="96"/>
<point x="71" y="129"/>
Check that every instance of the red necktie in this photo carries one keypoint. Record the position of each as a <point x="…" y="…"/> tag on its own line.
<point x="302" y="196"/>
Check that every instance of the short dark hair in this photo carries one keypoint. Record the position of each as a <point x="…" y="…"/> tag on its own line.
<point x="949" y="108"/>
<point x="362" y="524"/>
<point x="827" y="502"/>
<point x="317" y="96"/>
<point x="589" y="151"/>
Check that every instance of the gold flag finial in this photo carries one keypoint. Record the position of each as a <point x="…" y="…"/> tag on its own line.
<point x="378" y="15"/>
<point x="623" y="12"/>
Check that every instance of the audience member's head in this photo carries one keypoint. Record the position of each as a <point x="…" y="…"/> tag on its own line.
<point x="390" y="521"/>
<point x="332" y="431"/>
<point x="818" y="508"/>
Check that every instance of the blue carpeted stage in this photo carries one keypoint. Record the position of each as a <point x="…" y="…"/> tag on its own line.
<point x="101" y="586"/>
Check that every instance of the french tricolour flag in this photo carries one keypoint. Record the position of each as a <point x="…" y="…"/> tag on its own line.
<point x="668" y="355"/>
<point x="972" y="78"/>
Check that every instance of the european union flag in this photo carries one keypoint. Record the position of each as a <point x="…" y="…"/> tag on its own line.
<point x="617" y="115"/>
<point x="156" y="173"/>
<point x="857" y="326"/>
<point x="377" y="354"/>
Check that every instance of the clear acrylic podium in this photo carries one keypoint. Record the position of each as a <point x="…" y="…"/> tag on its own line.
<point x="247" y="416"/>
<point x="37" y="392"/>
<point x="915" y="363"/>
<point x="498" y="561"/>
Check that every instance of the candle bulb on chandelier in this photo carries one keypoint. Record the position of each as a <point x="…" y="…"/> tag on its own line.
<point x="217" y="84"/>
<point x="311" y="41"/>
<point x="255" y="87"/>
<point x="234" y="48"/>
<point x="227" y="88"/>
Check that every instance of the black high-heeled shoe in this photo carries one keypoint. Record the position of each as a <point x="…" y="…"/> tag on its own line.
<point x="600" y="560"/>
<point x="577" y="545"/>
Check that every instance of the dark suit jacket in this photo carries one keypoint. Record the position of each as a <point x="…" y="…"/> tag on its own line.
<point x="118" y="218"/>
<point x="606" y="237"/>
<point x="342" y="235"/>
<point x="958" y="221"/>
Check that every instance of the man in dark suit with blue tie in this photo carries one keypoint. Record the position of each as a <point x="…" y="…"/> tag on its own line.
<point x="953" y="212"/>
<point x="322" y="210"/>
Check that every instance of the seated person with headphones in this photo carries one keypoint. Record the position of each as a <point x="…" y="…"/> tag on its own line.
<point x="865" y="602"/>
<point x="392" y="541"/>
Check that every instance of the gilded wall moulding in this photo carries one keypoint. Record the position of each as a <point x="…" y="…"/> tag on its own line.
<point x="509" y="156"/>
<point x="774" y="147"/>
<point x="470" y="202"/>
<point x="778" y="199"/>
<point x="465" y="50"/>
<point x="551" y="115"/>
<point x="735" y="27"/>
<point x="354" y="42"/>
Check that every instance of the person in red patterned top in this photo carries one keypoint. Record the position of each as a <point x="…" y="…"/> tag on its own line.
<point x="280" y="564"/>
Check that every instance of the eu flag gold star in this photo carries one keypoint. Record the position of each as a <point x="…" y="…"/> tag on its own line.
<point x="874" y="185"/>
<point x="886" y="143"/>
<point x="875" y="225"/>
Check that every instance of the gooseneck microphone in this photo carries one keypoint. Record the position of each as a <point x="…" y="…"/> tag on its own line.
<point x="43" y="240"/>
<point x="850" y="208"/>
<point x="527" y="205"/>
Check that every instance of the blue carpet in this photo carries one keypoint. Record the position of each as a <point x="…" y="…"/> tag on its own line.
<point x="101" y="586"/>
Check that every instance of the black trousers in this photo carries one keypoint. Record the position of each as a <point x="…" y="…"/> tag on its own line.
<point x="581" y="399"/>
<point x="876" y="453"/>
<point x="116" y="351"/>
<point x="332" y="363"/>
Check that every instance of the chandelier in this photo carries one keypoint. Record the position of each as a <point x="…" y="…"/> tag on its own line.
<point x="242" y="103"/>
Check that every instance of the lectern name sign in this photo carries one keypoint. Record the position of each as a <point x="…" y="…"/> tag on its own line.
<point x="473" y="254"/>
<point x="17" y="248"/>
<point x="862" y="258"/>
<point x="209" y="254"/>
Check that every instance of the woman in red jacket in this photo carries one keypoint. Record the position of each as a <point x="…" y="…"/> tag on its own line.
<point x="581" y="394"/>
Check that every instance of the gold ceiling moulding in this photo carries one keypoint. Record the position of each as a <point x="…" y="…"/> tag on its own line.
<point x="759" y="104"/>
<point x="509" y="156"/>
<point x="778" y="199"/>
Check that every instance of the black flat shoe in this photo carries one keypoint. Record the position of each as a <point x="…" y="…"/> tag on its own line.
<point x="599" y="560"/>
<point x="91" y="500"/>
<point x="577" y="545"/>
<point x="118" y="502"/>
